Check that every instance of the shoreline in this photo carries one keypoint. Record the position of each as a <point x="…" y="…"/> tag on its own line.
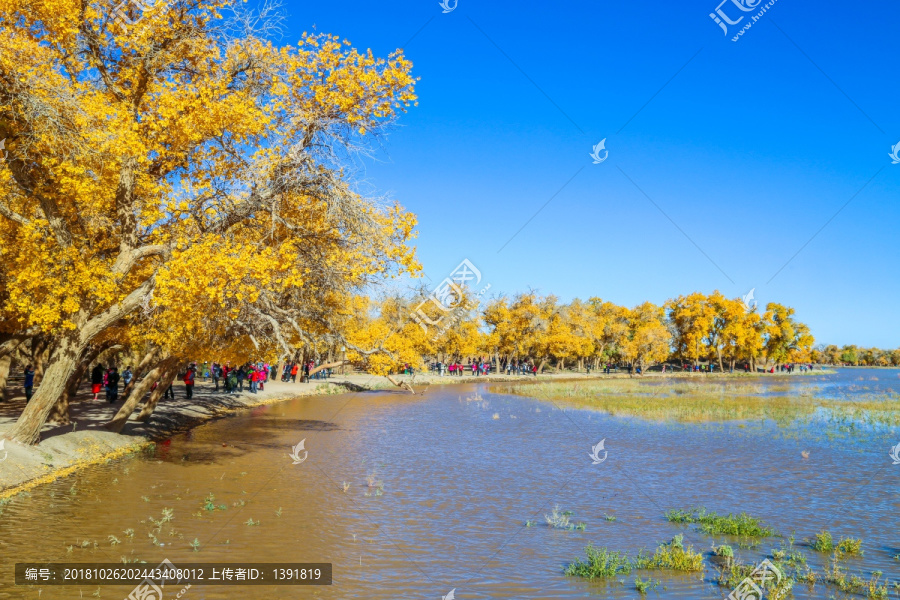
<point x="67" y="449"/>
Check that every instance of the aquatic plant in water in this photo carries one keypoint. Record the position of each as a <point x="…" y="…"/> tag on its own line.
<point x="561" y="519"/>
<point x="823" y="542"/>
<point x="712" y="523"/>
<point x="723" y="550"/>
<point x="600" y="562"/>
<point x="557" y="519"/>
<point x="672" y="555"/>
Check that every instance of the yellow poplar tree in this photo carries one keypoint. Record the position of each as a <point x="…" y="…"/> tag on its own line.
<point x="648" y="338"/>
<point x="181" y="154"/>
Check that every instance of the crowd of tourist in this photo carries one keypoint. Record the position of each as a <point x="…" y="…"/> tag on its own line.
<point x="255" y="375"/>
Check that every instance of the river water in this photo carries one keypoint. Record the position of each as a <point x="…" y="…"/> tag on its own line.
<point x="439" y="489"/>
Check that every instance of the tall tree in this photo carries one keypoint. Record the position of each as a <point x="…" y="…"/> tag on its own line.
<point x="182" y="155"/>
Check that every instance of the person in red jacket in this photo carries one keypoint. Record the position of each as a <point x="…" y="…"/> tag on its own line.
<point x="189" y="382"/>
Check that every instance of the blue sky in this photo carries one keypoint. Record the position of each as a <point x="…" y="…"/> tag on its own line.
<point x="725" y="158"/>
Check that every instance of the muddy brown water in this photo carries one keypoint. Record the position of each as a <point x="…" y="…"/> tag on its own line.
<point x="455" y="475"/>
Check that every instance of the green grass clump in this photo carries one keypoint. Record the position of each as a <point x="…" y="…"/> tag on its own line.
<point x="644" y="586"/>
<point x="714" y="524"/>
<point x="823" y="542"/>
<point x="731" y="576"/>
<point x="672" y="555"/>
<point x="723" y="550"/>
<point x="852" y="546"/>
<point x="600" y="563"/>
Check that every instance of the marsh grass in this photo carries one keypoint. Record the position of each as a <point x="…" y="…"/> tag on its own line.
<point x="605" y="563"/>
<point x="731" y="575"/>
<point x="644" y="586"/>
<point x="714" y="402"/>
<point x="600" y="563"/>
<point x="823" y="542"/>
<point x="793" y="566"/>
<point x="672" y="555"/>
<point x="724" y="550"/>
<point x="711" y="523"/>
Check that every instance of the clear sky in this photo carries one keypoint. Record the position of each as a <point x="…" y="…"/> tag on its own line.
<point x="761" y="163"/>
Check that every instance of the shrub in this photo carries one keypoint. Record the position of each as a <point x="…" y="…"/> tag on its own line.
<point x="600" y="562"/>
<point x="851" y="546"/>
<point x="823" y="542"/>
<point x="715" y="524"/>
<point x="672" y="555"/>
<point x="723" y="550"/>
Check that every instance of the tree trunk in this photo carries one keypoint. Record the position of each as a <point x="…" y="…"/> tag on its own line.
<point x="59" y="414"/>
<point x="719" y="353"/>
<point x="137" y="393"/>
<point x="5" y="362"/>
<point x="166" y="380"/>
<point x="141" y="369"/>
<point x="38" y="357"/>
<point x="542" y="365"/>
<point x="63" y="361"/>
